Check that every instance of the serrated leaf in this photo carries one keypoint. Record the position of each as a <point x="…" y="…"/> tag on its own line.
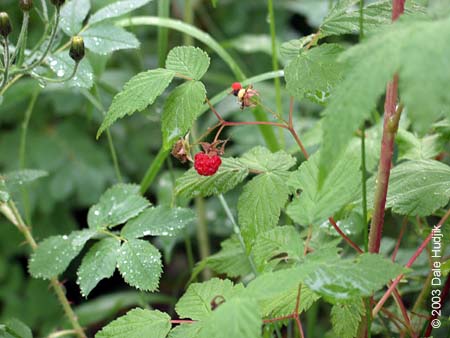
<point x="181" y="109"/>
<point x="412" y="147"/>
<point x="186" y="330"/>
<point x="54" y="254"/>
<point x="292" y="48"/>
<point x="418" y="188"/>
<point x="106" y="38"/>
<point x="138" y="93"/>
<point x="116" y="206"/>
<point x="196" y="302"/>
<point x="315" y="205"/>
<point x="260" y="204"/>
<point x="346" y="317"/>
<point x="98" y="263"/>
<point x="138" y="323"/>
<point x="188" y="61"/>
<point x="410" y="47"/>
<point x="159" y="221"/>
<point x="231" y="173"/>
<point x="116" y="9"/>
<point x="73" y="13"/>
<point x="231" y="260"/>
<point x="237" y="317"/>
<point x="262" y="159"/>
<point x="139" y="263"/>
<point x="62" y="65"/>
<point x="281" y="243"/>
<point x="347" y="279"/>
<point x="314" y="70"/>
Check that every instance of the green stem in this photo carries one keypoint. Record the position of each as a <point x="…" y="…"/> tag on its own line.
<point x="237" y="231"/>
<point x="53" y="80"/>
<point x="6" y="62"/>
<point x="189" y="19"/>
<point x="202" y="234"/>
<point x="277" y="83"/>
<point x="163" y="32"/>
<point x="17" y="220"/>
<point x="22" y="151"/>
<point x="22" y="40"/>
<point x="153" y="170"/>
<point x="44" y="10"/>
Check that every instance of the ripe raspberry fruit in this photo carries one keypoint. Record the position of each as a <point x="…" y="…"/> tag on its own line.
<point x="206" y="165"/>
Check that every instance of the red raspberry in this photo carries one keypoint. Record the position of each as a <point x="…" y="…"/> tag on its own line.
<point x="205" y="164"/>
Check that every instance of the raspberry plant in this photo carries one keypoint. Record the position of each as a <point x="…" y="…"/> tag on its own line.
<point x="329" y="191"/>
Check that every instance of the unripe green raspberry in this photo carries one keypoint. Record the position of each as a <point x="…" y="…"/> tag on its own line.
<point x="5" y="24"/>
<point x="26" y="5"/>
<point x="77" y="48"/>
<point x="58" y="3"/>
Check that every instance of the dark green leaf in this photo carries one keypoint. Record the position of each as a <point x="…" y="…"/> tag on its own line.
<point x="188" y="61"/>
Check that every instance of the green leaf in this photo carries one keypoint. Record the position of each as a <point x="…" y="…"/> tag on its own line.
<point x="186" y="330"/>
<point x="412" y="147"/>
<point x="15" y="179"/>
<point x="418" y="188"/>
<point x="262" y="159"/>
<point x="159" y="221"/>
<point x="260" y="203"/>
<point x="54" y="254"/>
<point x="230" y="260"/>
<point x="346" y="279"/>
<point x="315" y="70"/>
<point x="346" y="317"/>
<point x="116" y="206"/>
<point x="237" y="317"/>
<point x="116" y="9"/>
<point x="138" y="93"/>
<point x="98" y="263"/>
<point x="315" y="205"/>
<point x="138" y="323"/>
<point x="278" y="244"/>
<point x="62" y="65"/>
<point x="188" y="61"/>
<point x="181" y="109"/>
<point x="17" y="329"/>
<point x="73" y="14"/>
<point x="107" y="38"/>
<point x="231" y="173"/>
<point x="197" y="301"/>
<point x="139" y="263"/>
<point x="417" y="51"/>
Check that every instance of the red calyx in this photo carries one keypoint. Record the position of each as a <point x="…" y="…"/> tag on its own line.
<point x="206" y="165"/>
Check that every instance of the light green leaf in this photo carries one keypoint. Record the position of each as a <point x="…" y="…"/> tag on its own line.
<point x="139" y="92"/>
<point x="260" y="203"/>
<point x="138" y="323"/>
<point x="73" y="14"/>
<point x="196" y="302"/>
<point x="54" y="254"/>
<point x="116" y="206"/>
<point x="262" y="159"/>
<point x="410" y="47"/>
<point x="186" y="330"/>
<point x="315" y="70"/>
<point x="278" y="244"/>
<point x="107" y="38"/>
<point x="346" y="317"/>
<point x="231" y="173"/>
<point x="418" y="188"/>
<point x="139" y="263"/>
<point x="181" y="109"/>
<point x="62" y="65"/>
<point x="98" y="263"/>
<point x="315" y="205"/>
<point x="116" y="9"/>
<point x="188" y="61"/>
<point x="292" y="48"/>
<point x="346" y="279"/>
<point x="237" y="317"/>
<point x="412" y="147"/>
<point x="159" y="221"/>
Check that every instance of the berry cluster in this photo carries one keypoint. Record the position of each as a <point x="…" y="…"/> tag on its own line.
<point x="206" y="165"/>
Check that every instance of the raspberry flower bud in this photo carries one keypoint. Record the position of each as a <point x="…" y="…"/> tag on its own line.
<point x="77" y="48"/>
<point x="206" y="165"/>
<point x="26" y="5"/>
<point x="5" y="25"/>
<point x="58" y="3"/>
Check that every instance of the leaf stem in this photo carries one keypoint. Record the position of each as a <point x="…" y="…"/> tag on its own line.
<point x="6" y="63"/>
<point x="163" y="32"/>
<point x="153" y="170"/>
<point x="22" y="40"/>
